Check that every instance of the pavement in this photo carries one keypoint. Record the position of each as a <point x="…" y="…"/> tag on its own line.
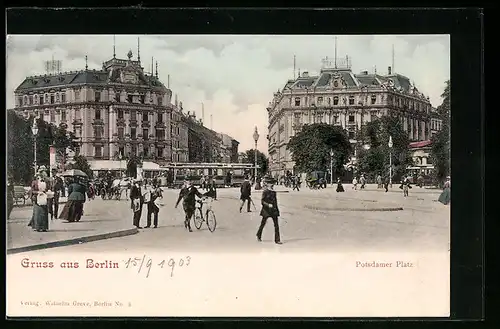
<point x="319" y="220"/>
<point x="98" y="223"/>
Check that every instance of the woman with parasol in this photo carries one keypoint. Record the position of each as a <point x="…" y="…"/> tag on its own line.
<point x="73" y="209"/>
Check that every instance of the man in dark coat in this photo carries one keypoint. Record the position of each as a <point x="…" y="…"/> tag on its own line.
<point x="246" y="194"/>
<point x="269" y="209"/>
<point x="136" y="202"/>
<point x="188" y="194"/>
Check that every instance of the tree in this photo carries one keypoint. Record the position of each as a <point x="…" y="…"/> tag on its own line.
<point x="311" y="147"/>
<point x="81" y="163"/>
<point x="262" y="160"/>
<point x="440" y="151"/>
<point x="375" y="160"/>
<point x="133" y="162"/>
<point x="20" y="165"/>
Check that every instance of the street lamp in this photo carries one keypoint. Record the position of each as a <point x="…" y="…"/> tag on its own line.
<point x="120" y="158"/>
<point x="256" y="139"/>
<point x="34" y="129"/>
<point x="390" y="161"/>
<point x="331" y="167"/>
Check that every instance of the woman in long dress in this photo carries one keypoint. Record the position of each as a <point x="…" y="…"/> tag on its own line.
<point x="445" y="196"/>
<point x="40" y="208"/>
<point x="73" y="209"/>
<point x="340" y="188"/>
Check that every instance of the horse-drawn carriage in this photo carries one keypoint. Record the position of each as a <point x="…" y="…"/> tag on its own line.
<point x="21" y="194"/>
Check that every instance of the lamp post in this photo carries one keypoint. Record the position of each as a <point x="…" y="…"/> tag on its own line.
<point x="34" y="129"/>
<point x="390" y="161"/>
<point x="331" y="167"/>
<point x="256" y="139"/>
<point x="120" y="158"/>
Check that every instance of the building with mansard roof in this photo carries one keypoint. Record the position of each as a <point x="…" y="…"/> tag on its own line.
<point x="340" y="97"/>
<point x="116" y="111"/>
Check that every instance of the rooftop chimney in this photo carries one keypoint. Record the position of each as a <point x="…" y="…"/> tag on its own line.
<point x="389" y="70"/>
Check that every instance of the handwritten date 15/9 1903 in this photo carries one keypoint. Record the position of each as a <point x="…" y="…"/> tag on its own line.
<point x="145" y="264"/>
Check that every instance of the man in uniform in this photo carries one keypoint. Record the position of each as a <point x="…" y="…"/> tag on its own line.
<point x="269" y="209"/>
<point x="188" y="194"/>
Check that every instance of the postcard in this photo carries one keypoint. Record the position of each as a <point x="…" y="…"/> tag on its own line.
<point x="228" y="175"/>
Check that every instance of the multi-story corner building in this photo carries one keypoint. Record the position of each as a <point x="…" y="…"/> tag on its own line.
<point x="119" y="109"/>
<point x="337" y="96"/>
<point x="229" y="148"/>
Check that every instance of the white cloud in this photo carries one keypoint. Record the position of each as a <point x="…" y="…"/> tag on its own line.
<point x="235" y="76"/>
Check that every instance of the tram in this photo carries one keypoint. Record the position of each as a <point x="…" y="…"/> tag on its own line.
<point x="224" y="174"/>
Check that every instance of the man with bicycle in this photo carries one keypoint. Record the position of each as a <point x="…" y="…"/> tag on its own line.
<point x="188" y="194"/>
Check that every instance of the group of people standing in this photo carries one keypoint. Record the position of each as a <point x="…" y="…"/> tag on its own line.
<point x="149" y="195"/>
<point x="45" y="193"/>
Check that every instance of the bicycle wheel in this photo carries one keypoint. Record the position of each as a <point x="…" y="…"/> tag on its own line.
<point x="211" y="221"/>
<point x="198" y="218"/>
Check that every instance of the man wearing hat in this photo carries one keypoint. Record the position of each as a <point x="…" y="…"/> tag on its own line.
<point x="269" y="209"/>
<point x="188" y="194"/>
<point x="246" y="194"/>
<point x="136" y="202"/>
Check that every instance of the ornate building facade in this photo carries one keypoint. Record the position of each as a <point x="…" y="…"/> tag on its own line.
<point x="117" y="110"/>
<point x="337" y="96"/>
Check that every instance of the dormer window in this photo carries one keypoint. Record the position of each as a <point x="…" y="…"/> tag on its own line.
<point x="351" y="100"/>
<point x="336" y="100"/>
<point x="297" y="101"/>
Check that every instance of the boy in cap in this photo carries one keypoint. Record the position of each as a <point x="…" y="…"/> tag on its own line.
<point x="246" y="194"/>
<point x="188" y="194"/>
<point x="269" y="209"/>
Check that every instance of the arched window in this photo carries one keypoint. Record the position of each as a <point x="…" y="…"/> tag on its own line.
<point x="36" y="99"/>
<point x="351" y="100"/>
<point x="58" y="97"/>
<point x="336" y="100"/>
<point x="46" y="98"/>
<point x="25" y="100"/>
<point x="374" y="99"/>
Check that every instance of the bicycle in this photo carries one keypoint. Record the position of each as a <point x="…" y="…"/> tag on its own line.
<point x="209" y="218"/>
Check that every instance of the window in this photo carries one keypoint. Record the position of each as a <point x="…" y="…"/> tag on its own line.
<point x="77" y="114"/>
<point x="335" y="119"/>
<point x="98" y="114"/>
<point x="297" y="101"/>
<point x="143" y="99"/>
<point x="133" y="115"/>
<point x="145" y="134"/>
<point x="121" y="151"/>
<point x="351" y="100"/>
<point x="374" y="99"/>
<point x="351" y="134"/>
<point x="160" y="101"/>
<point x="160" y="134"/>
<point x="320" y="100"/>
<point x="336" y="100"/>
<point x="63" y="115"/>
<point x="160" y="117"/>
<point x="133" y="133"/>
<point x="98" y="132"/>
<point x="63" y="98"/>
<point x="31" y="99"/>
<point x="130" y="98"/>
<point x="58" y="98"/>
<point x="351" y="118"/>
<point x="159" y="152"/>
<point x="52" y="116"/>
<point x="52" y="98"/>
<point x="144" y="115"/>
<point x="120" y="114"/>
<point x="329" y="101"/>
<point x="35" y="99"/>
<point x="97" y="96"/>
<point x="25" y="100"/>
<point x="120" y="132"/>
<point x="97" y="151"/>
<point x="77" y="95"/>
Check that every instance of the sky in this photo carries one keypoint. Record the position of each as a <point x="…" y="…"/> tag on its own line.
<point x="235" y="76"/>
